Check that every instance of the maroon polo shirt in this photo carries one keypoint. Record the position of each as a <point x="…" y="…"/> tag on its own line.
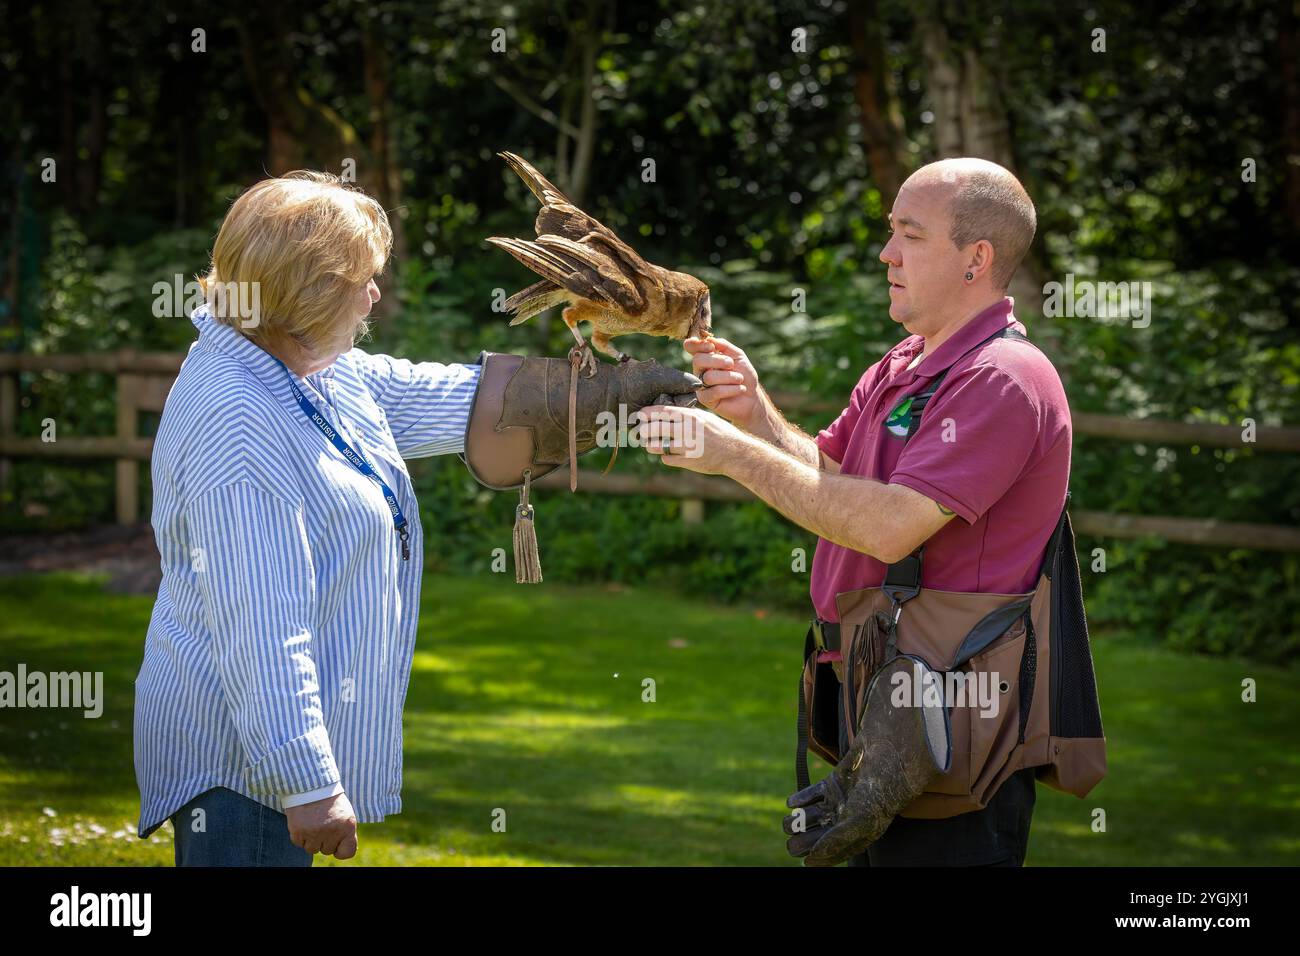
<point x="993" y="446"/>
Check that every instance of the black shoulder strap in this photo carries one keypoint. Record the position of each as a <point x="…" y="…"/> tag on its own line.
<point x="922" y="399"/>
<point x="1054" y="543"/>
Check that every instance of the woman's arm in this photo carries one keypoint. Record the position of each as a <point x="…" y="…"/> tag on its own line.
<point x="427" y="403"/>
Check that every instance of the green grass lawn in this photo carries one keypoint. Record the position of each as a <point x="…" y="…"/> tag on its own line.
<point x="529" y="699"/>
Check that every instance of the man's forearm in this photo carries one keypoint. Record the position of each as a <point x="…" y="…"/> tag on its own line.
<point x="855" y="512"/>
<point x="771" y="426"/>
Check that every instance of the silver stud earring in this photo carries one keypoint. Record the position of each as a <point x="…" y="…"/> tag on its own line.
<point x="970" y="277"/>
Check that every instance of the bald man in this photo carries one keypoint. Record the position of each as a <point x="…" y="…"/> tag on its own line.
<point x="980" y="480"/>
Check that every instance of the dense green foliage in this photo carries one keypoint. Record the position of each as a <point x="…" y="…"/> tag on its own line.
<point x="1134" y="157"/>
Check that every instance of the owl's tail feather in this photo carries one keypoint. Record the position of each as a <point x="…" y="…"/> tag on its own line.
<point x="537" y="298"/>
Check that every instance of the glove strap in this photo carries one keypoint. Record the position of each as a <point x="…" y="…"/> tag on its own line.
<point x="575" y="360"/>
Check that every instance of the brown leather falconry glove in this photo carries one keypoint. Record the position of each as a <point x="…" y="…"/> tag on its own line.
<point x="531" y="415"/>
<point x="903" y="742"/>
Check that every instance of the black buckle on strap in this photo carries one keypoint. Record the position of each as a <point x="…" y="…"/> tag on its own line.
<point x="826" y="635"/>
<point x="903" y="578"/>
<point x="902" y="583"/>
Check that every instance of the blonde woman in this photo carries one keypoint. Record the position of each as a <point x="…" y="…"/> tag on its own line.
<point x="268" y="710"/>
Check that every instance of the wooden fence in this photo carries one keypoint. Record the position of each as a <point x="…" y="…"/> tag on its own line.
<point x="144" y="378"/>
<point x="143" y="381"/>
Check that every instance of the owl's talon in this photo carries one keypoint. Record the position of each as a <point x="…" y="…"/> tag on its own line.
<point x="587" y="363"/>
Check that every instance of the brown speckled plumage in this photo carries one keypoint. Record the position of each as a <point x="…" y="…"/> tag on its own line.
<point x="603" y="280"/>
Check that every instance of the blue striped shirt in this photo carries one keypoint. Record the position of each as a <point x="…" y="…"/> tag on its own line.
<point x="280" y="647"/>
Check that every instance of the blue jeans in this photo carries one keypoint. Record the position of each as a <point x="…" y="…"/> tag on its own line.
<point x="236" y="831"/>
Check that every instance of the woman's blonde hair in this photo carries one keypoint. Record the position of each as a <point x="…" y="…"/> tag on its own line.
<point x="301" y="247"/>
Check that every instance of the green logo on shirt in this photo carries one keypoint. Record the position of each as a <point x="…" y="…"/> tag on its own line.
<point x="900" y="419"/>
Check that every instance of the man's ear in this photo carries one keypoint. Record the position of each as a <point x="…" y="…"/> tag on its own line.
<point x="981" y="258"/>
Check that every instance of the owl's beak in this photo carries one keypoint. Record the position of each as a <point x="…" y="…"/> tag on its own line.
<point x="702" y="324"/>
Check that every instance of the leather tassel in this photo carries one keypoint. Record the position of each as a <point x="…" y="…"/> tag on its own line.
<point x="528" y="565"/>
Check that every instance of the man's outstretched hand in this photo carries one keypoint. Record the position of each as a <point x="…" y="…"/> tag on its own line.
<point x="691" y="438"/>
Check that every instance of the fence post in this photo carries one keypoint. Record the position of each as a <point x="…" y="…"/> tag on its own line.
<point x="8" y="428"/>
<point x="127" y="483"/>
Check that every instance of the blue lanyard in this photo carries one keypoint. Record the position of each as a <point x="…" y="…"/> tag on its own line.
<point x="358" y="460"/>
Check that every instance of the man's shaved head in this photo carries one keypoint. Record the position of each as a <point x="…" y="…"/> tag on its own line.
<point x="985" y="202"/>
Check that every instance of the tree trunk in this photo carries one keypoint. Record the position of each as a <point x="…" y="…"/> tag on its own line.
<point x="575" y="148"/>
<point x="382" y="177"/>
<point x="1289" y="50"/>
<point x="943" y="83"/>
<point x="92" y="170"/>
<point x="971" y="119"/>
<point x="66" y="167"/>
<point x="883" y="136"/>
<point x="302" y="132"/>
<point x="585" y="143"/>
<point x="584" y="148"/>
